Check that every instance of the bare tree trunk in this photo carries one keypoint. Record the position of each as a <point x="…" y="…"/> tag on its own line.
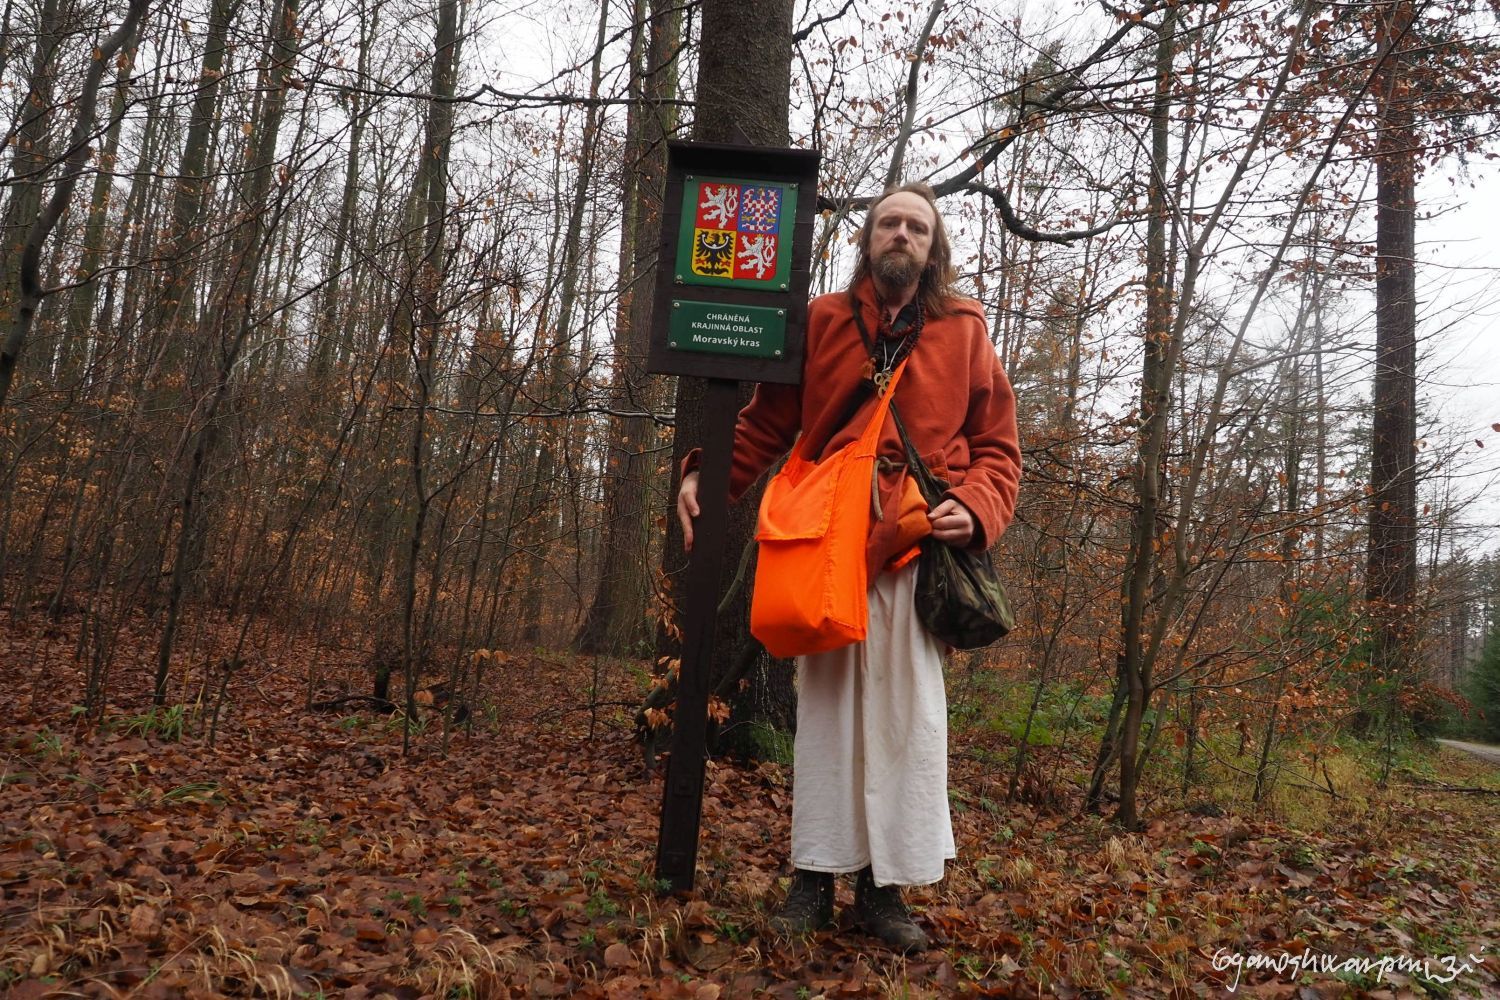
<point x="29" y="160"/>
<point x="5" y="35"/>
<point x="1320" y="435"/>
<point x="193" y="188"/>
<point x="134" y="242"/>
<point x="336" y="292"/>
<point x="28" y="168"/>
<point x="1292" y="419"/>
<point x="1166" y="321"/>
<point x="81" y="306"/>
<point x="425" y="324"/>
<point x="1156" y="398"/>
<point x="546" y="508"/>
<point x="1391" y="575"/>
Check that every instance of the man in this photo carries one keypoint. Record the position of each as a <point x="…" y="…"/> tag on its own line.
<point x="870" y="780"/>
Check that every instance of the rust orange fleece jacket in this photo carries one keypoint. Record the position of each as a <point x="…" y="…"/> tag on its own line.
<point x="954" y="398"/>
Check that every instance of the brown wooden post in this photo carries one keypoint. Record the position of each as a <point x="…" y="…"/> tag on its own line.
<point x="682" y="799"/>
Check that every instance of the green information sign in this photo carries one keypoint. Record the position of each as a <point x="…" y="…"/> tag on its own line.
<point x="736" y="233"/>
<point x="717" y="328"/>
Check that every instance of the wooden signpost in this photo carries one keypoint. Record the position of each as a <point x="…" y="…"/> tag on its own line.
<point x="730" y="306"/>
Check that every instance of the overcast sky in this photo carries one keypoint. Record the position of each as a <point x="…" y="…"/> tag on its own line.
<point x="1459" y="288"/>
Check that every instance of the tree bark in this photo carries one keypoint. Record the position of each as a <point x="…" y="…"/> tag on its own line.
<point x="1156" y="400"/>
<point x="1391" y="573"/>
<point x="27" y="168"/>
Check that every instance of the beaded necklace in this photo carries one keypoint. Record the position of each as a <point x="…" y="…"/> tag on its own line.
<point x="884" y="357"/>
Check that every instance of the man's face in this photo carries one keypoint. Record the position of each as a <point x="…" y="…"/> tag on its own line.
<point x="900" y="239"/>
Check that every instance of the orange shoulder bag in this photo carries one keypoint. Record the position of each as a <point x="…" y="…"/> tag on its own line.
<point x="810" y="575"/>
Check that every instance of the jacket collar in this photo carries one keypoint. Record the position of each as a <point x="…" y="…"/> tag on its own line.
<point x="867" y="300"/>
<point x="866" y="296"/>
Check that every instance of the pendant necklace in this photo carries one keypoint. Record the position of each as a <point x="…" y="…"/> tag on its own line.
<point x="877" y="371"/>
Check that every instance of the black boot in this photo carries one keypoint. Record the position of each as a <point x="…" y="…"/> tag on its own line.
<point x="880" y="912"/>
<point x="808" y="906"/>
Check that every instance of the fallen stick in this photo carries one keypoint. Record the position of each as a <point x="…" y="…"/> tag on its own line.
<point x="1442" y="786"/>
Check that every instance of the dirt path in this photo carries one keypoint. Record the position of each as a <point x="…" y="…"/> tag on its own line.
<point x="1481" y="750"/>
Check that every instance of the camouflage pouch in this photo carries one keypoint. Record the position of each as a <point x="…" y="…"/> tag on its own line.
<point x="959" y="599"/>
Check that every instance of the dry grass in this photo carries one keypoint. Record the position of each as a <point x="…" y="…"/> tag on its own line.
<point x="223" y="967"/>
<point x="459" y="964"/>
<point x="57" y="941"/>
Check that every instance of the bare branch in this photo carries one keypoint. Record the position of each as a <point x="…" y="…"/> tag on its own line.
<point x="802" y="35"/>
<point x="1002" y="140"/>
<point x="516" y="100"/>
<point x="1015" y="225"/>
<point x="893" y="174"/>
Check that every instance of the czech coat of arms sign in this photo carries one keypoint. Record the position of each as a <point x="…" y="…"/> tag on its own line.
<point x="739" y="236"/>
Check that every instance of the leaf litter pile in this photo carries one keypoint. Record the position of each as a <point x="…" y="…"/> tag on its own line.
<point x="303" y="855"/>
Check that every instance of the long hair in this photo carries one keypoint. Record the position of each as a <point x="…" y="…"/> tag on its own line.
<point x="935" y="286"/>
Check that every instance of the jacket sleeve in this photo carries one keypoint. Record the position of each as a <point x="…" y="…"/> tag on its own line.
<point x="989" y="487"/>
<point x="763" y="432"/>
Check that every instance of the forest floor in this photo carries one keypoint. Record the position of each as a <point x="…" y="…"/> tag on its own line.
<point x="302" y="854"/>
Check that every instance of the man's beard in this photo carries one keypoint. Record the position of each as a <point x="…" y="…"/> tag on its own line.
<point x="896" y="269"/>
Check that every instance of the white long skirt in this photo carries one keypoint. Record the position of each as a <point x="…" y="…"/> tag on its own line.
<point x="870" y="775"/>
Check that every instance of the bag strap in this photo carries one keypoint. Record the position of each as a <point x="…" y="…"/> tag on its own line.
<point x="857" y="397"/>
<point x="931" y="486"/>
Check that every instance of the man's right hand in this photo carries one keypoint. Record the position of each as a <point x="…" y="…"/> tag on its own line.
<point x="687" y="507"/>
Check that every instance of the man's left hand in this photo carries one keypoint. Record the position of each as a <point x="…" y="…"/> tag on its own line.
<point x="952" y="523"/>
